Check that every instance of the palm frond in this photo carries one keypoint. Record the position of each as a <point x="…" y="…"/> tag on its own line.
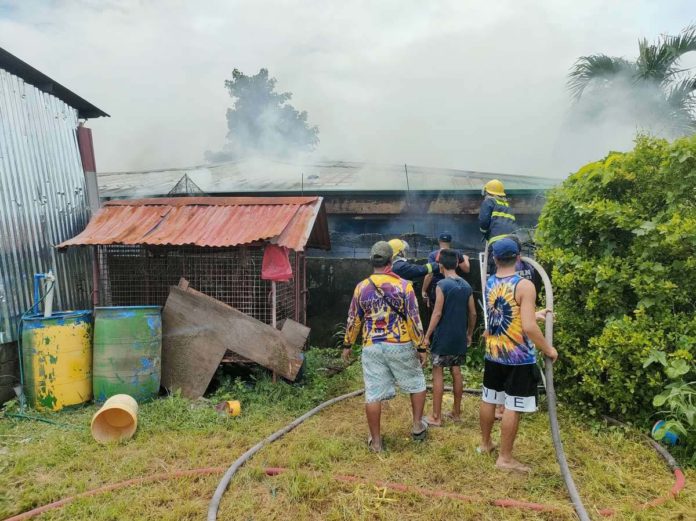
<point x="682" y="43"/>
<point x="595" y="67"/>
<point x="681" y="97"/>
<point x="681" y="105"/>
<point x="654" y="61"/>
<point x="659" y="61"/>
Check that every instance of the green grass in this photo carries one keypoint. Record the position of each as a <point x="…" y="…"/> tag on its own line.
<point x="40" y="463"/>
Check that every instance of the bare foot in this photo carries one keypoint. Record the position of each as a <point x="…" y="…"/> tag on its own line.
<point x="486" y="449"/>
<point x="433" y="422"/>
<point x="374" y="446"/>
<point x="456" y="418"/>
<point x="513" y="465"/>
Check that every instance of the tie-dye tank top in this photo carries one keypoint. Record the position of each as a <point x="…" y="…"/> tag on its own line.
<point x="506" y="342"/>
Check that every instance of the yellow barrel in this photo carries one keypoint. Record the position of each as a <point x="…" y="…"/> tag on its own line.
<point x="57" y="359"/>
<point x="116" y="420"/>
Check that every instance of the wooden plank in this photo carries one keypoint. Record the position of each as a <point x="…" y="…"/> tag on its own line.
<point x="217" y="323"/>
<point x="190" y="355"/>
<point x="295" y="334"/>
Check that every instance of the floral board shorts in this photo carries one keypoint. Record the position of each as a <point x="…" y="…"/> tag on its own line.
<point x="447" y="360"/>
<point x="387" y="365"/>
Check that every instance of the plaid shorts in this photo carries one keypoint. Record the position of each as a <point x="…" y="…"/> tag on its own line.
<point x="387" y="365"/>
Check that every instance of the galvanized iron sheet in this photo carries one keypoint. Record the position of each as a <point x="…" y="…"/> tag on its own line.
<point x="323" y="178"/>
<point x="205" y="221"/>
<point x="42" y="200"/>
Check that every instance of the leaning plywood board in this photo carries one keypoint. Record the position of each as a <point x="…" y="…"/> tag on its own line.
<point x="217" y="323"/>
<point x="294" y="333"/>
<point x="190" y="351"/>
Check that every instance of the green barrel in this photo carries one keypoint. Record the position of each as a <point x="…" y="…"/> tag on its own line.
<point x="127" y="355"/>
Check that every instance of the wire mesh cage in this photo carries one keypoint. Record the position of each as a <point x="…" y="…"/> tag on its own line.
<point x="142" y="275"/>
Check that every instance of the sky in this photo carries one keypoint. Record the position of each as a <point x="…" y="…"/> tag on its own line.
<point x="474" y="85"/>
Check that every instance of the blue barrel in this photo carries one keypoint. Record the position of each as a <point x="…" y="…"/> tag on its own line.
<point x="127" y="352"/>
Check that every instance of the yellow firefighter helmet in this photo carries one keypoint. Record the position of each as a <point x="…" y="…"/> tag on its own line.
<point x="398" y="246"/>
<point x="494" y="187"/>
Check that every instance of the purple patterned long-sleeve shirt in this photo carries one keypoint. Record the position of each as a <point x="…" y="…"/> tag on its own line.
<point x="370" y="314"/>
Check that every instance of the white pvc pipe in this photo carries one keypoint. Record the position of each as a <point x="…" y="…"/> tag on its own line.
<point x="274" y="304"/>
<point x="483" y="261"/>
<point x="50" y="282"/>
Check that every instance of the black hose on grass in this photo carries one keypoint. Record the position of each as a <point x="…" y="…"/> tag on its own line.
<point x="550" y="395"/>
<point x="225" y="481"/>
<point x="551" y="399"/>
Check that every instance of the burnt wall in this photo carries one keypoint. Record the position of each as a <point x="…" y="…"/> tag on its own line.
<point x="331" y="282"/>
<point x="357" y="220"/>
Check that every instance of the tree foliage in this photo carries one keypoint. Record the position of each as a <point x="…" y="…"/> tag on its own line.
<point x="620" y="236"/>
<point x="262" y="121"/>
<point x="659" y="93"/>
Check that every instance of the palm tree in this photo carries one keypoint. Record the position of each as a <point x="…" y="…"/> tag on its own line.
<point x="654" y="80"/>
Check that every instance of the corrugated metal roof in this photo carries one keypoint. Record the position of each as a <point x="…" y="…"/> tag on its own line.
<point x="38" y="79"/>
<point x="256" y="175"/>
<point x="293" y="222"/>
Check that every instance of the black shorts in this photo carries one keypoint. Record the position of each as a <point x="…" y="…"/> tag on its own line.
<point x="447" y="360"/>
<point x="515" y="386"/>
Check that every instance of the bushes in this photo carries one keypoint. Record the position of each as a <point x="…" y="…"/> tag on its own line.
<point x="620" y="236"/>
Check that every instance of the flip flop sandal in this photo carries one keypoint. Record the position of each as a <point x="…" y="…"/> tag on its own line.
<point x="422" y="435"/>
<point x="451" y="418"/>
<point x="482" y="452"/>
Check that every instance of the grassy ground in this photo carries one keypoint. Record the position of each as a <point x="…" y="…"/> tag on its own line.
<point x="40" y="463"/>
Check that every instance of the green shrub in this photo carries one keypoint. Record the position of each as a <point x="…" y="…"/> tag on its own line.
<point x="620" y="237"/>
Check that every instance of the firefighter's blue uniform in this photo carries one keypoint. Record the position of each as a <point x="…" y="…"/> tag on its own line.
<point x="408" y="271"/>
<point x="496" y="219"/>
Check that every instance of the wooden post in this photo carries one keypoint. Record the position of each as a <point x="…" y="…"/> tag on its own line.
<point x="95" y="277"/>
<point x="274" y="318"/>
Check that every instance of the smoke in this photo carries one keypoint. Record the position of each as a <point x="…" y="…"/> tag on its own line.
<point x="610" y="115"/>
<point x="468" y="85"/>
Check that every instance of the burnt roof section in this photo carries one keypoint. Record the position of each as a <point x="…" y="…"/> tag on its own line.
<point x="38" y="79"/>
<point x="254" y="175"/>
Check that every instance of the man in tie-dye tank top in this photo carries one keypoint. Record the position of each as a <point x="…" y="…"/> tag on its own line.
<point x="510" y="373"/>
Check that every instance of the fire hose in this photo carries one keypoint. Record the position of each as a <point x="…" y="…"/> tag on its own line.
<point x="551" y="398"/>
<point x="555" y="431"/>
<point x="553" y="420"/>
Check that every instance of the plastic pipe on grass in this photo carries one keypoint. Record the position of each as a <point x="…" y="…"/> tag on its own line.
<point x="397" y="487"/>
<point x="115" y="486"/>
<point x="225" y="481"/>
<point x="551" y="398"/>
<point x="553" y="420"/>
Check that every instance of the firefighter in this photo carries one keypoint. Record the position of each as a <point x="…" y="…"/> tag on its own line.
<point x="496" y="219"/>
<point x="407" y="270"/>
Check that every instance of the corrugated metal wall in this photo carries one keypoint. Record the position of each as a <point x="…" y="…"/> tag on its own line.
<point x="42" y="201"/>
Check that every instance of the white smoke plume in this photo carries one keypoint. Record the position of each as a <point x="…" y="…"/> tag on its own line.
<point x="470" y="85"/>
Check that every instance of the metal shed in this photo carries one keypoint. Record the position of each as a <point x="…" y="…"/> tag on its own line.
<point x="144" y="246"/>
<point x="42" y="190"/>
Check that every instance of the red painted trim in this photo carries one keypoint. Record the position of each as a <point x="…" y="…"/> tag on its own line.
<point x="86" y="148"/>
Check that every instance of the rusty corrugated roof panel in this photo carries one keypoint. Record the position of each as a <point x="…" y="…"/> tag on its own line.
<point x="209" y="221"/>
